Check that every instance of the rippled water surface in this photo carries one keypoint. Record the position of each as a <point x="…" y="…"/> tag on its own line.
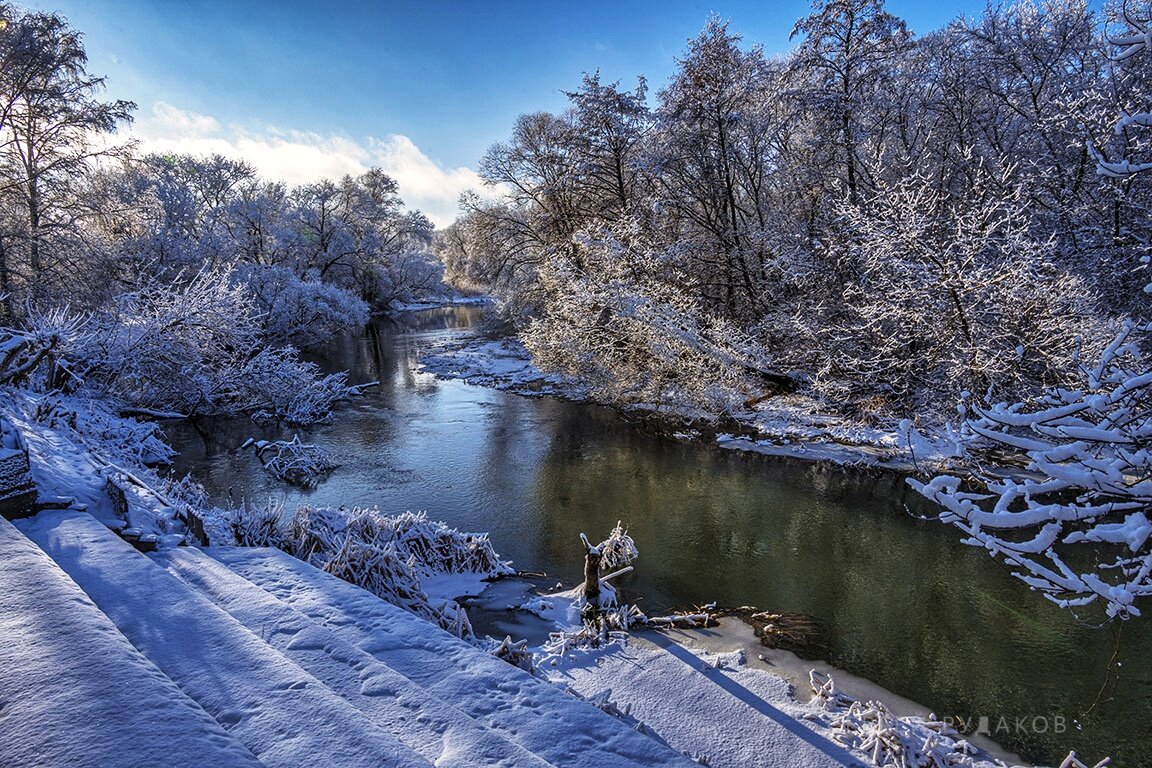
<point x="900" y="600"/>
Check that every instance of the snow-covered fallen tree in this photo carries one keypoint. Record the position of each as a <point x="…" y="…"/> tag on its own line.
<point x="292" y="461"/>
<point x="388" y="555"/>
<point x="591" y="615"/>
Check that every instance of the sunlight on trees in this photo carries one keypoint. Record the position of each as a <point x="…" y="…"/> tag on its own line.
<point x="886" y="224"/>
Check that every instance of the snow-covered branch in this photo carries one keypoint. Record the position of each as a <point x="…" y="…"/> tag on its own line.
<point x="303" y="464"/>
<point x="1076" y="524"/>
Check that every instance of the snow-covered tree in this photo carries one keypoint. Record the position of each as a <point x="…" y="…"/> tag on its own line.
<point x="848" y="52"/>
<point x="627" y="322"/>
<point x="1076" y="522"/>
<point x="946" y="297"/>
<point x="192" y="346"/>
<point x="50" y="118"/>
<point x="711" y="155"/>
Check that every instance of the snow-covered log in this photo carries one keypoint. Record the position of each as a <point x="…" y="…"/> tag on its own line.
<point x="302" y="464"/>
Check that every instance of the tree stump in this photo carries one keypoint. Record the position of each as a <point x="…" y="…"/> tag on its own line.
<point x="591" y="581"/>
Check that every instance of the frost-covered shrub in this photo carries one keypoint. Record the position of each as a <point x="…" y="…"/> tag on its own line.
<point x="888" y="740"/>
<point x="387" y="555"/>
<point x="195" y="346"/>
<point x="618" y="550"/>
<point x="292" y="461"/>
<point x="623" y="321"/>
<point x="95" y="424"/>
<point x="304" y="311"/>
<point x="275" y="383"/>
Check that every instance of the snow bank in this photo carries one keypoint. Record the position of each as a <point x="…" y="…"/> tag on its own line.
<point x="502" y="364"/>
<point x="429" y="725"/>
<point x="389" y="555"/>
<point x="230" y="672"/>
<point x="438" y="302"/>
<point x="539" y="717"/>
<point x="786" y="425"/>
<point x="74" y="691"/>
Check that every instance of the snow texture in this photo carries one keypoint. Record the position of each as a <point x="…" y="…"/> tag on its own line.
<point x="430" y="725"/>
<point x="232" y="674"/>
<point x="74" y="691"/>
<point x="656" y="681"/>
<point x="527" y="711"/>
<point x="502" y="364"/>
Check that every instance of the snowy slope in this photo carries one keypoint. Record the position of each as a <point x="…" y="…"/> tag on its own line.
<point x="534" y="714"/>
<point x="431" y="726"/>
<point x="657" y="681"/>
<point x="283" y="715"/>
<point x="75" y="692"/>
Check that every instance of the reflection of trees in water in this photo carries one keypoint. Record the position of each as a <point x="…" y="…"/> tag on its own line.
<point x="900" y="601"/>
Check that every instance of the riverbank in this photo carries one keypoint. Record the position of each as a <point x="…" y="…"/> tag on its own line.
<point x="963" y="608"/>
<point x="787" y="425"/>
<point x="898" y="598"/>
<point x="670" y="681"/>
<point x="718" y="687"/>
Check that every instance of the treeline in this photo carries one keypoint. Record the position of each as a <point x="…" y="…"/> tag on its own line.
<point x="175" y="283"/>
<point x="882" y="220"/>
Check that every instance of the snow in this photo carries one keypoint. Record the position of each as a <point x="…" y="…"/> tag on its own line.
<point x="522" y="709"/>
<point x="788" y="425"/>
<point x="500" y="363"/>
<point x="74" y="691"/>
<point x="64" y="470"/>
<point x="657" y="681"/>
<point x="439" y="302"/>
<point x="231" y="673"/>
<point x="429" y="725"/>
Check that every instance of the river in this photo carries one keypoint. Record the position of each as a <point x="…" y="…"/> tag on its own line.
<point x="900" y="601"/>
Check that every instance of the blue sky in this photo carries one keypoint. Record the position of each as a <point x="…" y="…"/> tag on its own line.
<point x="307" y="89"/>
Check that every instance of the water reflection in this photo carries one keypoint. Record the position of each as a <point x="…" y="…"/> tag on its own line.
<point x="900" y="601"/>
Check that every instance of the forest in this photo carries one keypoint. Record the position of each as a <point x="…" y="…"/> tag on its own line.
<point x="900" y="228"/>
<point x="885" y="220"/>
<point x="175" y="284"/>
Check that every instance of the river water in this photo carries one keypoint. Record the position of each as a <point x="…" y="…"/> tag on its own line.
<point x="900" y="601"/>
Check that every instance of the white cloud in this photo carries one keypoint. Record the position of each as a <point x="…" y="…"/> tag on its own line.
<point x="423" y="183"/>
<point x="297" y="157"/>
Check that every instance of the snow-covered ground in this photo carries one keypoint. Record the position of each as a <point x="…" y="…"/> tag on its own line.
<point x="788" y="425"/>
<point x="258" y="658"/>
<point x="721" y="697"/>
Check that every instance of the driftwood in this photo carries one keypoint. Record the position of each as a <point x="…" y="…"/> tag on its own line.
<point x="789" y="631"/>
<point x="703" y="616"/>
<point x="302" y="464"/>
